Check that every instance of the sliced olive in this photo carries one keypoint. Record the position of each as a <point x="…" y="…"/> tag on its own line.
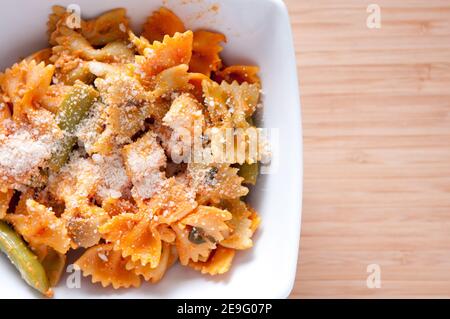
<point x="196" y="237"/>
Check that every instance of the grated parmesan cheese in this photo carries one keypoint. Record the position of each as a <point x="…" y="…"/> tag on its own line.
<point x="114" y="179"/>
<point x="102" y="256"/>
<point x="144" y="159"/>
<point x="23" y="152"/>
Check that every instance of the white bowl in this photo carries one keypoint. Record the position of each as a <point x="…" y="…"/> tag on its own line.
<point x="258" y="32"/>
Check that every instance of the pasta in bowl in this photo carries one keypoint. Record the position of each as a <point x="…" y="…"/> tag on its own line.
<point x="136" y="149"/>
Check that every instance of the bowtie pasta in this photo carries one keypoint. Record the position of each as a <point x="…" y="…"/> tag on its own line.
<point x="88" y="132"/>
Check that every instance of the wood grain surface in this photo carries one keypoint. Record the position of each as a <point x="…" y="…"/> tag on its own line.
<point x="376" y="116"/>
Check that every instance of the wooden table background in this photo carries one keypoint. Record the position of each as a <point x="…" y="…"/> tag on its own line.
<point x="376" y="116"/>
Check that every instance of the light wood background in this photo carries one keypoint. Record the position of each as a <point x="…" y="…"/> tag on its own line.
<point x="376" y="116"/>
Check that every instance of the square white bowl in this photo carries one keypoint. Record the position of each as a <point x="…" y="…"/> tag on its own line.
<point x="259" y="33"/>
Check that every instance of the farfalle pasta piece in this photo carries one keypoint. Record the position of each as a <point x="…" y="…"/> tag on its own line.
<point x="173" y="202"/>
<point x="43" y="124"/>
<point x="85" y="179"/>
<point x="170" y="52"/>
<point x="239" y="73"/>
<point x="218" y="263"/>
<point x="108" y="27"/>
<point x="167" y="234"/>
<point x="68" y="67"/>
<point x="5" y="117"/>
<point x="215" y="99"/>
<point x="153" y="275"/>
<point x="40" y="56"/>
<point x="125" y="107"/>
<point x="24" y="83"/>
<point x="143" y="161"/>
<point x="40" y="226"/>
<point x="230" y="105"/>
<point x="74" y="44"/>
<point x="117" y="206"/>
<point x="95" y="133"/>
<point x="210" y="222"/>
<point x="25" y="149"/>
<point x="205" y="52"/>
<point x="54" y="96"/>
<point x="75" y="183"/>
<point x="5" y="198"/>
<point x="186" y="113"/>
<point x="188" y="250"/>
<point x="163" y="133"/>
<point x="122" y="113"/>
<point x="135" y="236"/>
<point x="161" y="23"/>
<point x="108" y="267"/>
<point x="114" y="181"/>
<point x="255" y="219"/>
<point x="140" y="43"/>
<point x="54" y="18"/>
<point x="71" y="43"/>
<point x="117" y="86"/>
<point x="206" y="44"/>
<point x="215" y="182"/>
<point x="240" y="226"/>
<point x="238" y="146"/>
<point x="243" y="100"/>
<point x="80" y="72"/>
<point x="21" y="207"/>
<point x="117" y="51"/>
<point x="196" y="79"/>
<point x="171" y="80"/>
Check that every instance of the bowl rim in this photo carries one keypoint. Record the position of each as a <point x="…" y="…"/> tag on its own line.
<point x="297" y="161"/>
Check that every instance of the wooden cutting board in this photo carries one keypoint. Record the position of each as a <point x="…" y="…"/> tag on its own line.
<point x="376" y="116"/>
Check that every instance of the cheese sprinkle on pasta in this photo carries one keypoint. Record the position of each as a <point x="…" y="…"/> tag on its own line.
<point x="111" y="142"/>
